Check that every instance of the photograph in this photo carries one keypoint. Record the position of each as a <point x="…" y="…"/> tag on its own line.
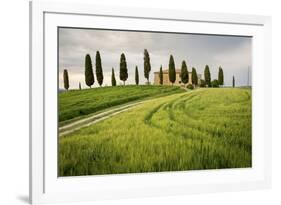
<point x="133" y="101"/>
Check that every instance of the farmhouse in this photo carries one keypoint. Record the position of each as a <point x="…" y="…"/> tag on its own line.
<point x="178" y="79"/>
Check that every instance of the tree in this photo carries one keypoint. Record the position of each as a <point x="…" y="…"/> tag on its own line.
<point x="146" y="65"/>
<point x="233" y="82"/>
<point x="113" y="80"/>
<point x="161" y="76"/>
<point x="137" y="75"/>
<point x="220" y="76"/>
<point x="172" y="70"/>
<point x="89" y="76"/>
<point x="202" y="83"/>
<point x="184" y="73"/>
<point x="215" y="83"/>
<point x="194" y="77"/>
<point x="80" y="86"/>
<point x="99" y="73"/>
<point x="123" y="74"/>
<point x="65" y="79"/>
<point x="207" y="76"/>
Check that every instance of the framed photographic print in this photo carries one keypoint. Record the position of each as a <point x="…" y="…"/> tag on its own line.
<point x="130" y="102"/>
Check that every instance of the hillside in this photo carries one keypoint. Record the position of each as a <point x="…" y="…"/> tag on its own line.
<point x="79" y="103"/>
<point x="202" y="129"/>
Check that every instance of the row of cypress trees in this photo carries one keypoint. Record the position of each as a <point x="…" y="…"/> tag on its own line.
<point x="123" y="72"/>
<point x="113" y="79"/>
<point x="184" y="75"/>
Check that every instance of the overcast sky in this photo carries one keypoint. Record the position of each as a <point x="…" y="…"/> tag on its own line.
<point x="232" y="53"/>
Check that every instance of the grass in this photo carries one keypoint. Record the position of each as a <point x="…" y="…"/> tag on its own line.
<point x="80" y="103"/>
<point x="202" y="129"/>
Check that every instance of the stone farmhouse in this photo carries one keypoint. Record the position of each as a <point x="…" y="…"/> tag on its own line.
<point x="178" y="79"/>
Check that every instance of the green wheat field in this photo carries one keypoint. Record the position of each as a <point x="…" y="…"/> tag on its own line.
<point x="171" y="130"/>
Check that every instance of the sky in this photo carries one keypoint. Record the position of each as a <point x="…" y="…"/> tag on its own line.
<point x="232" y="53"/>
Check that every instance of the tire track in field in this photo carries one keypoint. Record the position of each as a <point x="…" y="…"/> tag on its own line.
<point x="167" y="107"/>
<point x="171" y="114"/>
<point x="148" y="117"/>
<point x="208" y="131"/>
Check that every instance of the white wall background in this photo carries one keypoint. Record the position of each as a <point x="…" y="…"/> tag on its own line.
<point x="14" y="100"/>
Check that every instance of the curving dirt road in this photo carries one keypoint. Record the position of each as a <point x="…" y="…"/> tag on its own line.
<point x="66" y="129"/>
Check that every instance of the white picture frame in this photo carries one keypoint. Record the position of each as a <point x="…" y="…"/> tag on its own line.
<point x="46" y="186"/>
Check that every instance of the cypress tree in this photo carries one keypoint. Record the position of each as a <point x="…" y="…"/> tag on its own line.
<point x="233" y="82"/>
<point x="207" y="76"/>
<point x="194" y="77"/>
<point x="113" y="80"/>
<point x="65" y="79"/>
<point x="161" y="76"/>
<point x="146" y="65"/>
<point x="172" y="70"/>
<point x="123" y="74"/>
<point x="137" y="75"/>
<point x="184" y="73"/>
<point x="99" y="72"/>
<point x="220" y="76"/>
<point x="89" y="75"/>
<point x="80" y="86"/>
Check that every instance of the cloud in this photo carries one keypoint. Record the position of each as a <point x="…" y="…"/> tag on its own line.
<point x="238" y="61"/>
<point x="231" y="52"/>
